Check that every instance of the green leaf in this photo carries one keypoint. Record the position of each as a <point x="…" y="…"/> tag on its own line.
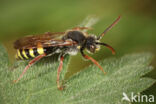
<point x="90" y="86"/>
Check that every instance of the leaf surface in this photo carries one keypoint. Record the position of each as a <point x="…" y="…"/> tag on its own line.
<point x="90" y="86"/>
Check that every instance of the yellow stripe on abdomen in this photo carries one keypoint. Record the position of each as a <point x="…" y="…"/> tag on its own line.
<point x="24" y="54"/>
<point x="31" y="52"/>
<point x="40" y="50"/>
<point x="19" y="54"/>
<point x="16" y="56"/>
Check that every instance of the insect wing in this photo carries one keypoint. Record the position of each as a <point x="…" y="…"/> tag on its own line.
<point x="59" y="43"/>
<point x="33" y="41"/>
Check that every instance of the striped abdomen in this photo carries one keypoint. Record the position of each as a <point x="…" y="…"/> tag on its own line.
<point x="29" y="53"/>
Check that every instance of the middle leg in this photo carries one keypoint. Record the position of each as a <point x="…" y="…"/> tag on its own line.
<point x="93" y="60"/>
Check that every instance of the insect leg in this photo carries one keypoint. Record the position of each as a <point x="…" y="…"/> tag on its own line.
<point x="30" y="64"/>
<point x="81" y="28"/>
<point x="93" y="60"/>
<point x="58" y="72"/>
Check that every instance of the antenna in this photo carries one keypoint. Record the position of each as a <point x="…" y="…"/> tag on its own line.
<point x="108" y="28"/>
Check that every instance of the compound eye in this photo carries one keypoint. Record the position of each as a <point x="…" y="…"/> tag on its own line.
<point x="92" y="48"/>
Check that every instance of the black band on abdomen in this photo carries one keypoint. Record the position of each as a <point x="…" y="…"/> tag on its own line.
<point x="35" y="52"/>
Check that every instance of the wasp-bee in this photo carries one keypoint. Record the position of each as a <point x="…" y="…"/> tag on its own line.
<point x="69" y="42"/>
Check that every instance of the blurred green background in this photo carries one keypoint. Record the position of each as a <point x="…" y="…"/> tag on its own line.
<point x="134" y="33"/>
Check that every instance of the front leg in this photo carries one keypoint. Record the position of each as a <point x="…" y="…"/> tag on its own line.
<point x="93" y="60"/>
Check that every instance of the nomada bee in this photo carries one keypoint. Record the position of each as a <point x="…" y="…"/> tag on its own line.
<point x="62" y="43"/>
